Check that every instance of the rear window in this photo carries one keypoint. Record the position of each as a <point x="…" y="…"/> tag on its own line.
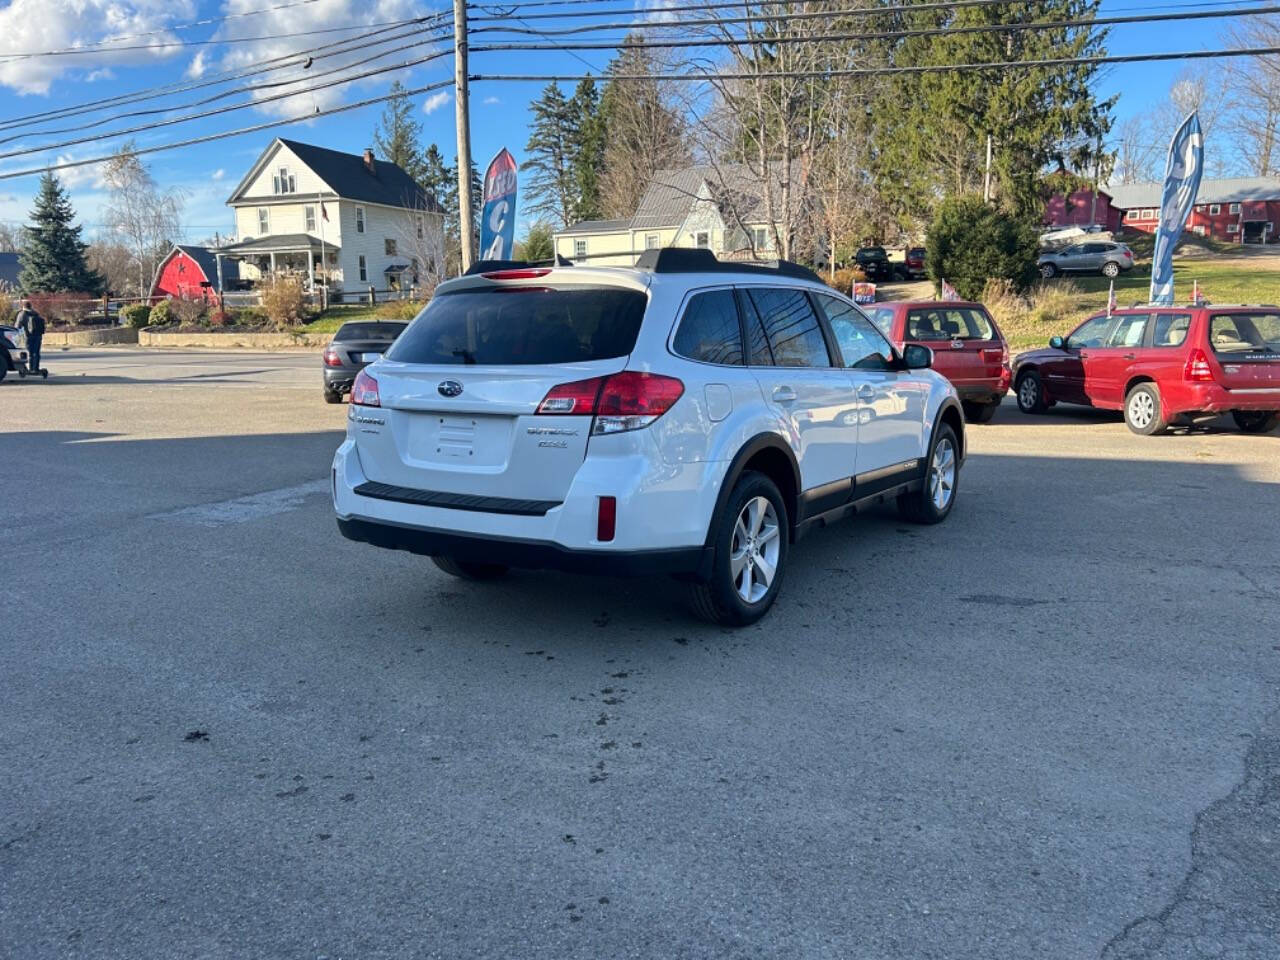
<point x="504" y="326"/>
<point x="369" y="331"/>
<point x="955" y="323"/>
<point x="1245" y="332"/>
<point x="709" y="331"/>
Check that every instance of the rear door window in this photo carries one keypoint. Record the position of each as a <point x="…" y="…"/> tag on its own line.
<point x="792" y="328"/>
<point x="709" y="330"/>
<point x="1170" y="329"/>
<point x="504" y="326"/>
<point x="1245" y="332"/>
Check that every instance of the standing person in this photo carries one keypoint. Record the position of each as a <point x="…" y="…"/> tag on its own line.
<point x="32" y="324"/>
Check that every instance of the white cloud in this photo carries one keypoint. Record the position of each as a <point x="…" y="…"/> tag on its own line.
<point x="106" y="73"/>
<point x="88" y="174"/>
<point x="197" y="67"/>
<point x="490" y="101"/>
<point x="218" y="174"/>
<point x="308" y="93"/>
<point x="435" y="101"/>
<point x="30" y="26"/>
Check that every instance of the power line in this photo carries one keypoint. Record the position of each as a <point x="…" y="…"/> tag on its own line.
<point x="281" y="62"/>
<point x="248" y="88"/>
<point x="209" y="138"/>
<point x="229" y="108"/>
<point x="705" y="76"/>
<point x="824" y="38"/>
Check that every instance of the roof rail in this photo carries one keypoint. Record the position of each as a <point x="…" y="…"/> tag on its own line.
<point x="702" y="260"/>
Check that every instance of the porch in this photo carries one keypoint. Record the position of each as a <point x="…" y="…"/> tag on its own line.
<point x="294" y="255"/>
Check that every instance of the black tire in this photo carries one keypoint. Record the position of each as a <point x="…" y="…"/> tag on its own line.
<point x="1256" y="421"/>
<point x="468" y="570"/>
<point x="720" y="599"/>
<point x="4" y="370"/>
<point x="44" y="374"/>
<point x="1048" y="271"/>
<point x="1030" y="392"/>
<point x="1142" y="411"/>
<point x="980" y="412"/>
<point x="332" y="396"/>
<point x="1111" y="269"/>
<point x="923" y="506"/>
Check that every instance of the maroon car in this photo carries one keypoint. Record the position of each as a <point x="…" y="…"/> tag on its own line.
<point x="968" y="347"/>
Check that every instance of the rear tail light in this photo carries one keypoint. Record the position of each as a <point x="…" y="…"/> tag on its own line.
<point x="364" y="392"/>
<point x="624" y="401"/>
<point x="331" y="358"/>
<point x="1197" y="369"/>
<point x="607" y="519"/>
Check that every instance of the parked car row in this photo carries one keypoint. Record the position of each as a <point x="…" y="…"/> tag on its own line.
<point x="695" y="418"/>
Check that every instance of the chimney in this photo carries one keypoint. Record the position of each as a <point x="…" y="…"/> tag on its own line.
<point x="368" y="161"/>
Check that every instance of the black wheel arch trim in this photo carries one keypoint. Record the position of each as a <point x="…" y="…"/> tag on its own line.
<point x="757" y="444"/>
<point x="948" y="404"/>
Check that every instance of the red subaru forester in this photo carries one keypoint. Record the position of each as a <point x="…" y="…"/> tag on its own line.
<point x="968" y="348"/>
<point x="1162" y="365"/>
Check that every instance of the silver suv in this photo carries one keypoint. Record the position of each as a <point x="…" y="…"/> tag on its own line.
<point x="1094" y="256"/>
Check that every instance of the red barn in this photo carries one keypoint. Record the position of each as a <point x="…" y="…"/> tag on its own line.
<point x="1239" y="210"/>
<point x="191" y="273"/>
<point x="1081" y="209"/>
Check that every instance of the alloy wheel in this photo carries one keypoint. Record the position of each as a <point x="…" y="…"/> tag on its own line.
<point x="1142" y="409"/>
<point x="1027" y="391"/>
<point x="942" y="474"/>
<point x="753" y="557"/>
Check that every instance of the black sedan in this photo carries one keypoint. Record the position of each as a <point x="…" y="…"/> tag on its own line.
<point x="356" y="344"/>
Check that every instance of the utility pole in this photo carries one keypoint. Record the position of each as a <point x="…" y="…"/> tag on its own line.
<point x="462" y="100"/>
<point x="986" y="181"/>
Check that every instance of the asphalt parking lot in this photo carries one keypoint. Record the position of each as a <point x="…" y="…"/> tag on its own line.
<point x="1047" y="728"/>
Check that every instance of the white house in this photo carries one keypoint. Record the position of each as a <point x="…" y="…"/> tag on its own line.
<point x="350" y="221"/>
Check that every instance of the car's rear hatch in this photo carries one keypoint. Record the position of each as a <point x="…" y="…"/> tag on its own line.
<point x="461" y="388"/>
<point x="1246" y="345"/>
<point x="967" y="348"/>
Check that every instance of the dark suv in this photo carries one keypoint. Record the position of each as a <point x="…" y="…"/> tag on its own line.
<point x="874" y="262"/>
<point x="1163" y="364"/>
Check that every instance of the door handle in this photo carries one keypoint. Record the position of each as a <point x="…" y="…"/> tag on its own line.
<point x="866" y="392"/>
<point x="1130" y="356"/>
<point x="784" y="394"/>
<point x="1083" y="355"/>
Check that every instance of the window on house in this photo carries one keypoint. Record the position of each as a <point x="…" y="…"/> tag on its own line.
<point x="283" y="181"/>
<point x="1149" y="213"/>
<point x="359" y="219"/>
<point x="264" y="220"/>
<point x="389" y="247"/>
<point x="364" y="270"/>
<point x="702" y="239"/>
<point x="1132" y="214"/>
<point x="414" y="265"/>
<point x="579" y="249"/>
<point x="1215" y="209"/>
<point x="309" y="214"/>
<point x="1233" y="228"/>
<point x="762" y="238"/>
<point x="651" y="241"/>
<point x="1234" y="208"/>
<point x="419" y="224"/>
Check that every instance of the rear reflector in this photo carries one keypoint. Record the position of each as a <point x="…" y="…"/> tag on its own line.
<point x="522" y="274"/>
<point x="1197" y="369"/>
<point x="364" y="392"/>
<point x="578" y="397"/>
<point x="331" y="358"/>
<point x="607" y="519"/>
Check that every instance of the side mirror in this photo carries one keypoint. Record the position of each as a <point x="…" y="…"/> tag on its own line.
<point x="1058" y="343"/>
<point x="916" y="357"/>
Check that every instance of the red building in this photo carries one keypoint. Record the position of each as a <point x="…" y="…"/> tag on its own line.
<point x="1082" y="209"/>
<point x="191" y="273"/>
<point x="1241" y="210"/>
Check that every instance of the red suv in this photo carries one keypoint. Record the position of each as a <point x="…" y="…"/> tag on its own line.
<point x="968" y="347"/>
<point x="1160" y="364"/>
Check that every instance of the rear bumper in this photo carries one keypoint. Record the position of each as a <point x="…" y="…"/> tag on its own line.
<point x="1215" y="398"/>
<point x="527" y="554"/>
<point x="982" y="393"/>
<point x="338" y="378"/>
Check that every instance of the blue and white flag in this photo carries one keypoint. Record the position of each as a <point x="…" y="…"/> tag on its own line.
<point x="498" y="218"/>
<point x="1181" y="184"/>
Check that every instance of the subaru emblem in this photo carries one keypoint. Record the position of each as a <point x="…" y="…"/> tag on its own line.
<point x="449" y="388"/>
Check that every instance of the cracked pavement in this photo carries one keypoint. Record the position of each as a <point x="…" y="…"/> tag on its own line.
<point x="1046" y="728"/>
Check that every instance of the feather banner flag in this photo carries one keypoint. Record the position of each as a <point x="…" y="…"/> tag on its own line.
<point x="1181" y="184"/>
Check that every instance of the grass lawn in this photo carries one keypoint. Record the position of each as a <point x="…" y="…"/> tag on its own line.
<point x="1064" y="302"/>
<point x="330" y="320"/>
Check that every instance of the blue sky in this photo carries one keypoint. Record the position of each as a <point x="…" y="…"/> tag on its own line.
<point x="207" y="173"/>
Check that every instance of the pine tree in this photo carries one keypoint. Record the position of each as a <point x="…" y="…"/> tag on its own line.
<point x="53" y="259"/>
<point x="398" y="135"/>
<point x="550" y="188"/>
<point x="587" y="150"/>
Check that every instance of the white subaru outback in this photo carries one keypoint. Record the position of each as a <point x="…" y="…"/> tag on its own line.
<point x="689" y="417"/>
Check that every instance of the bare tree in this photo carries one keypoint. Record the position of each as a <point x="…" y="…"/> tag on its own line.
<point x="1138" y="151"/>
<point x="1255" y="95"/>
<point x="10" y="238"/>
<point x="1207" y="93"/>
<point x="114" y="261"/>
<point x="145" y="218"/>
<point x="421" y="244"/>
